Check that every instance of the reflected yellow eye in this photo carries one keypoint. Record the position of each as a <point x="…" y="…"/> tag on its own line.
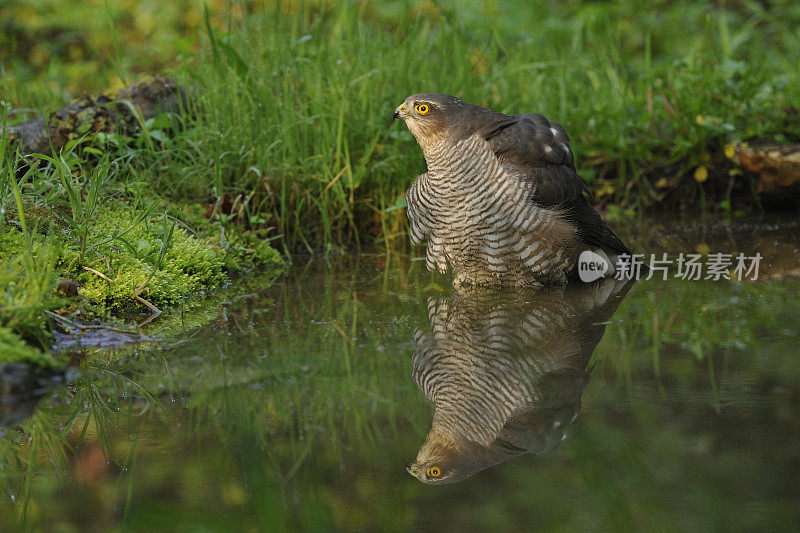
<point x="422" y="109"/>
<point x="434" y="471"/>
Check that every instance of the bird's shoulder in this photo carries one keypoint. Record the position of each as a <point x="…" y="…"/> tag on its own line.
<point x="533" y="149"/>
<point x="530" y="139"/>
<point x="536" y="151"/>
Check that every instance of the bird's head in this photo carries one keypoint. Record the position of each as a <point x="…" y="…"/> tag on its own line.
<point x="440" y="460"/>
<point x="430" y="116"/>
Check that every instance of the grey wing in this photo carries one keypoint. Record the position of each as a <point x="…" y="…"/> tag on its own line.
<point x="536" y="150"/>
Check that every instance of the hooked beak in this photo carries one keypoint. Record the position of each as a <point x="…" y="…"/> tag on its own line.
<point x="400" y="112"/>
<point x="412" y="468"/>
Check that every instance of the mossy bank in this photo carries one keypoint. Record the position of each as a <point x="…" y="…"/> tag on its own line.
<point x="117" y="259"/>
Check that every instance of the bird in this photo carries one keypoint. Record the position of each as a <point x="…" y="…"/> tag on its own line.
<point x="506" y="371"/>
<point x="501" y="202"/>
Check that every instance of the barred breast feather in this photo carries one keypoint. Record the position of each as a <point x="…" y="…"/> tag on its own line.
<point x="478" y="218"/>
<point x="502" y="203"/>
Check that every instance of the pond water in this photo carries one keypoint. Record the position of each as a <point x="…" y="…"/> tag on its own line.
<point x="363" y="393"/>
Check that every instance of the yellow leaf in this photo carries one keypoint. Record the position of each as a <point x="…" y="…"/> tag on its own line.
<point x="702" y="248"/>
<point x="700" y="174"/>
<point x="700" y="119"/>
<point x="730" y="150"/>
<point x="604" y="188"/>
<point x="661" y="183"/>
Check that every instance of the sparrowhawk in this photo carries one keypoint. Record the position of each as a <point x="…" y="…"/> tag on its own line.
<point x="501" y="202"/>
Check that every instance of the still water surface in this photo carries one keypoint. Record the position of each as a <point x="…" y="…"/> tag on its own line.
<point x="363" y="393"/>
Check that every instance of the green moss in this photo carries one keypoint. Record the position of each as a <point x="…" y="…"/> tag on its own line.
<point x="11" y="243"/>
<point x="245" y="251"/>
<point x="160" y="261"/>
<point x="120" y="254"/>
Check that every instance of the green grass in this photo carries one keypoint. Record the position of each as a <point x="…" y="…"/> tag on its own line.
<point x="296" y="107"/>
<point x="295" y="100"/>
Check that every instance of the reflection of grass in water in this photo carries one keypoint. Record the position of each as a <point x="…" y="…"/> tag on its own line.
<point x="283" y="400"/>
<point x="306" y="415"/>
<point x="715" y="352"/>
<point x="697" y="321"/>
<point x="42" y="452"/>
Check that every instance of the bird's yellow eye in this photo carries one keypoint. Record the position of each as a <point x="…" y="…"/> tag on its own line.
<point x="434" y="471"/>
<point x="422" y="109"/>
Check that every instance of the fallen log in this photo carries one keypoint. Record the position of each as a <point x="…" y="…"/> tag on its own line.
<point x="108" y="112"/>
<point x="776" y="165"/>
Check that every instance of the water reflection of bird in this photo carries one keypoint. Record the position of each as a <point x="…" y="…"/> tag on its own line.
<point x="506" y="373"/>
<point x="501" y="202"/>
